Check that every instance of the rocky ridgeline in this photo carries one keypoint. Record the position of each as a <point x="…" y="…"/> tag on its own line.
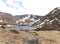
<point x="51" y="21"/>
<point x="26" y="19"/>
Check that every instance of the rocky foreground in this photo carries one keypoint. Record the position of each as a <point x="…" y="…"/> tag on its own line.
<point x="12" y="36"/>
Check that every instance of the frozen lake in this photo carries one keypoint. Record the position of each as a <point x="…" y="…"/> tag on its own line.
<point x="22" y="27"/>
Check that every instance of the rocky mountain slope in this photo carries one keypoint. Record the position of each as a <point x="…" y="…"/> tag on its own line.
<point x="5" y="17"/>
<point x="27" y="19"/>
<point x="51" y="20"/>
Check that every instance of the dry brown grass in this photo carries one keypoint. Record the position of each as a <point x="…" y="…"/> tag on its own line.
<point x="44" y="37"/>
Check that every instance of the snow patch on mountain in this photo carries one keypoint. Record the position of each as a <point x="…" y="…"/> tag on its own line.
<point x="28" y="19"/>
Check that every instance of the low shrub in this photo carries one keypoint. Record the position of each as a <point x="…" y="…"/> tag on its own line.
<point x="14" y="31"/>
<point x="3" y="27"/>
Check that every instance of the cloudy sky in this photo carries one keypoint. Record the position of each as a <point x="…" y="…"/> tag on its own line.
<point x="37" y="7"/>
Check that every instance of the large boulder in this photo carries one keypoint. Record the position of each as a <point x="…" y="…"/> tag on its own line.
<point x="30" y="40"/>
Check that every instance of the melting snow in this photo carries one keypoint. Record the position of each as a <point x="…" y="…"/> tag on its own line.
<point x="54" y="11"/>
<point x="1" y="20"/>
<point x="42" y="23"/>
<point x="51" y="20"/>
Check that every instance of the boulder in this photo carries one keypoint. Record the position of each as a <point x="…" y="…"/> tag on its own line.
<point x="30" y="40"/>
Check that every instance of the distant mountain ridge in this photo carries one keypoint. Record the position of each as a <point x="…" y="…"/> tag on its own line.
<point x="49" y="22"/>
<point x="26" y="19"/>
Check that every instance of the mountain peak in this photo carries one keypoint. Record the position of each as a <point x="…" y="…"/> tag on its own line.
<point x="57" y="8"/>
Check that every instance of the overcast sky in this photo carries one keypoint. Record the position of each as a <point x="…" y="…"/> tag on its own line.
<point x="37" y="7"/>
